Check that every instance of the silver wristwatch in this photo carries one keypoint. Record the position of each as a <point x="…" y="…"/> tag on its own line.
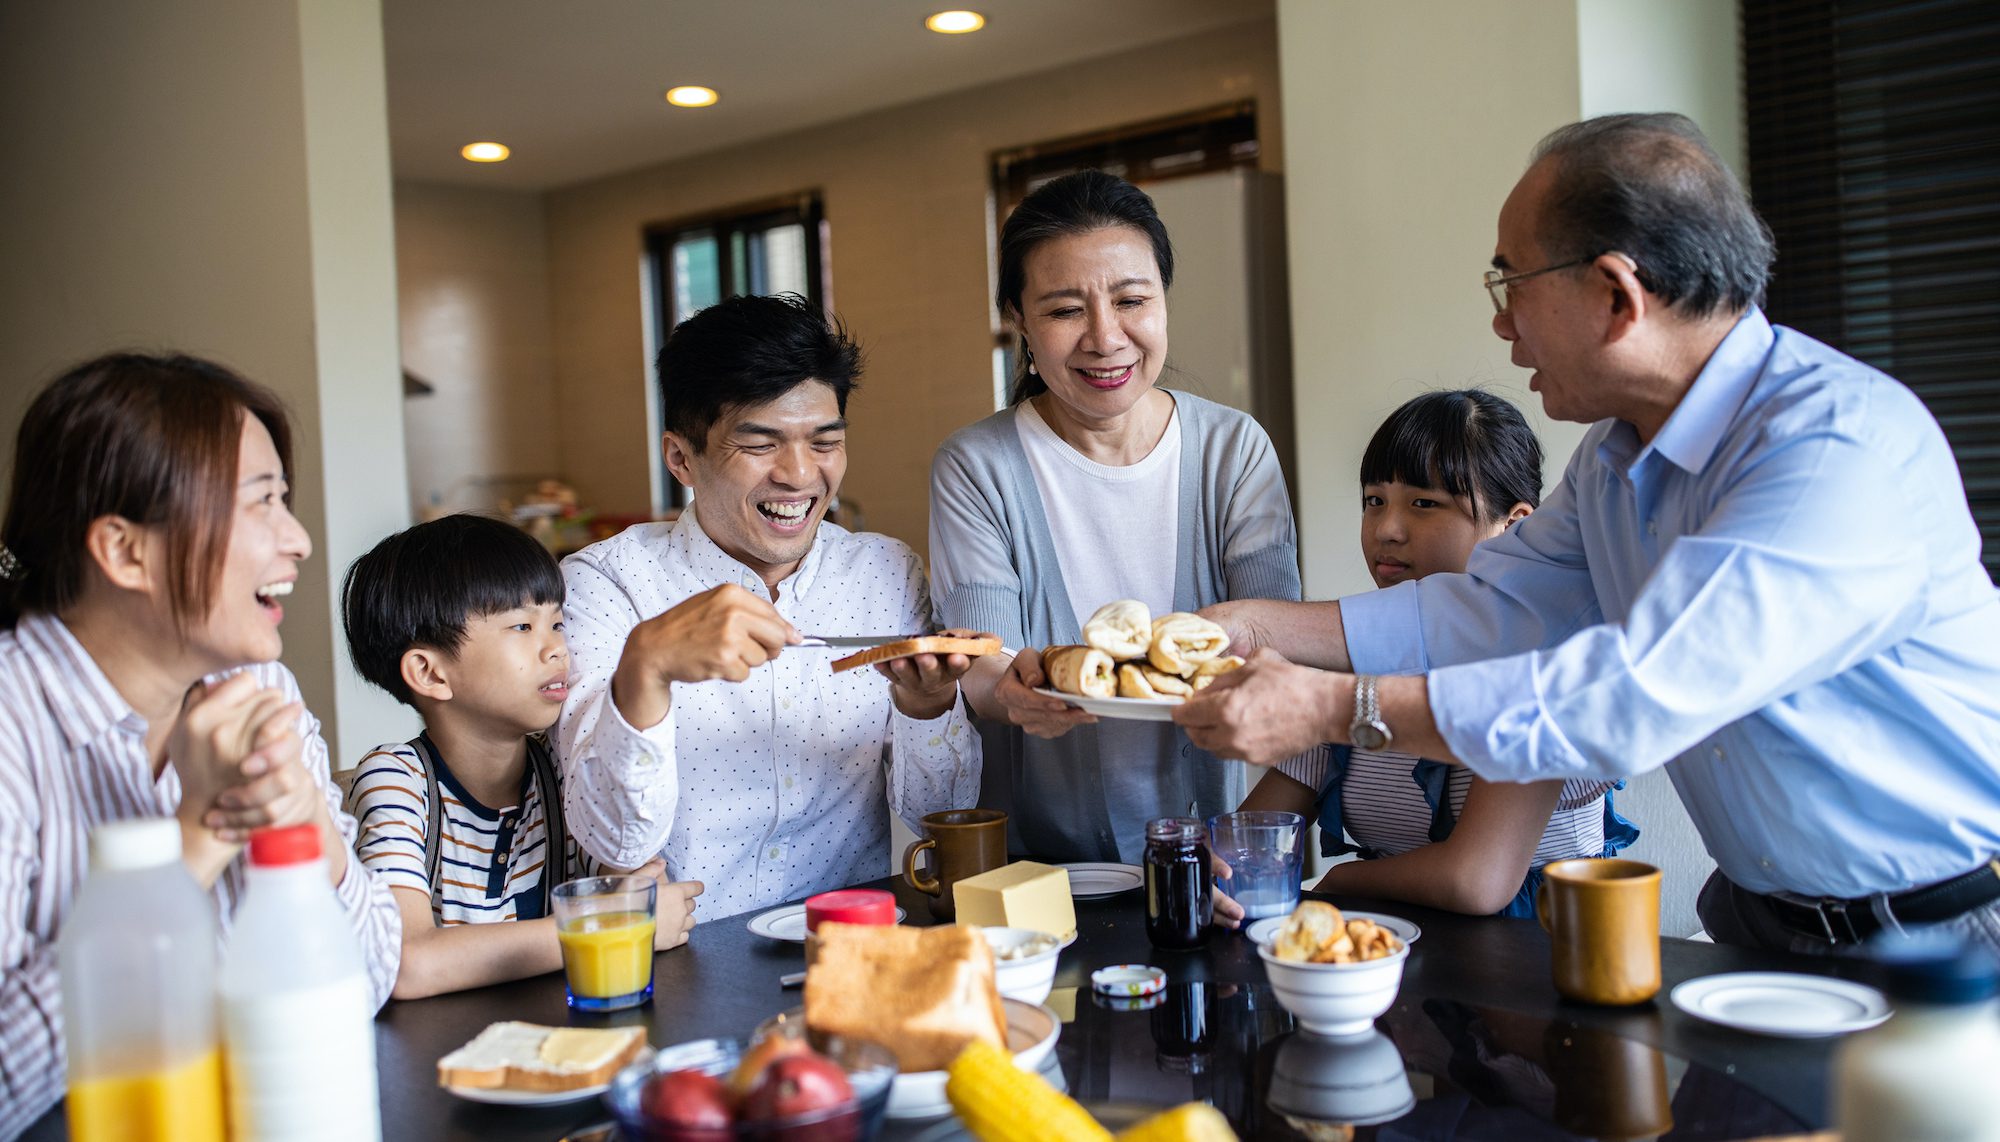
<point x="1368" y="730"/>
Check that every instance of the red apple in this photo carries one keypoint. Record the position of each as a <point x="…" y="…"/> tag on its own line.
<point x="801" y="1083"/>
<point x="761" y="1054"/>
<point x="688" y="1099"/>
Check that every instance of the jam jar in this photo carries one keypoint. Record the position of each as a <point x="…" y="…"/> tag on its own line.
<point x="1178" y="883"/>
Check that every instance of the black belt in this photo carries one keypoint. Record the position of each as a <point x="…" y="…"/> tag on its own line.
<point x="1839" y="921"/>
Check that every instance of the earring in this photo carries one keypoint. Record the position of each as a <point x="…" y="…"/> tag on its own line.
<point x="1031" y="362"/>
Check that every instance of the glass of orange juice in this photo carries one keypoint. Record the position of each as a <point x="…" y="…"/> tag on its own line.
<point x="605" y="924"/>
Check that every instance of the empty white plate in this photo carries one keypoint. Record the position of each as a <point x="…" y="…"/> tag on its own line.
<point x="789" y="923"/>
<point x="1091" y="879"/>
<point x="1782" y="1003"/>
<point x="1265" y="930"/>
<point x="1131" y="709"/>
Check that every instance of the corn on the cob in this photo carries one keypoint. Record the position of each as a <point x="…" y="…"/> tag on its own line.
<point x="1000" y="1102"/>
<point x="1188" y="1122"/>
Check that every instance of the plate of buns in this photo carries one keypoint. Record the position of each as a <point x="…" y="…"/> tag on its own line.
<point x="527" y="1064"/>
<point x="1132" y="665"/>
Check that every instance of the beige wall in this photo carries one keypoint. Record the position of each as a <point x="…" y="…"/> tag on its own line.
<point x="1422" y="116"/>
<point x="906" y="201"/>
<point x="473" y="291"/>
<point x="213" y="177"/>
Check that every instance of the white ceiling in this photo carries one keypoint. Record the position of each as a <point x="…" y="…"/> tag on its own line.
<point x="575" y="86"/>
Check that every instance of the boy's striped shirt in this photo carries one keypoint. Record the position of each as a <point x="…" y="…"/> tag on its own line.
<point x="491" y="860"/>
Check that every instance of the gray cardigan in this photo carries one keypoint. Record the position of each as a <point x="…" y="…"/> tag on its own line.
<point x="994" y="568"/>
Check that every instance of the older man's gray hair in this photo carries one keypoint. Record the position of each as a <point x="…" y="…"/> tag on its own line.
<point x="1650" y="187"/>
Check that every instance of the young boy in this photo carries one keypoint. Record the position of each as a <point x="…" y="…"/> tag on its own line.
<point x="461" y="619"/>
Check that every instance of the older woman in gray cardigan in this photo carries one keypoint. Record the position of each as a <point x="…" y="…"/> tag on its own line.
<point x="1095" y="485"/>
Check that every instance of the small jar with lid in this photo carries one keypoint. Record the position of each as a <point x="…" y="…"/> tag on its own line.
<point x="1179" y="883"/>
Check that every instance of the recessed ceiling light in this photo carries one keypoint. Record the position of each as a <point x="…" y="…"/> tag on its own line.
<point x="692" y="95"/>
<point x="485" y="152"/>
<point x="955" y="21"/>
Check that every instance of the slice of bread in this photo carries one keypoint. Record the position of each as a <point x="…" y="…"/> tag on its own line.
<point x="924" y="993"/>
<point x="530" y="1057"/>
<point x="928" y="644"/>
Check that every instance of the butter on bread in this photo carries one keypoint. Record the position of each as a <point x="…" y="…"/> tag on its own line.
<point x="530" y="1057"/>
<point x="924" y="993"/>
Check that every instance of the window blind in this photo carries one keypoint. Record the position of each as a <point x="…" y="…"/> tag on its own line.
<point x="1874" y="151"/>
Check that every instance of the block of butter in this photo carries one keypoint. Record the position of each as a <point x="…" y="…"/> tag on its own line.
<point x="1024" y="894"/>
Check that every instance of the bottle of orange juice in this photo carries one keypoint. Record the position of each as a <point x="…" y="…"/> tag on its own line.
<point x="137" y="959"/>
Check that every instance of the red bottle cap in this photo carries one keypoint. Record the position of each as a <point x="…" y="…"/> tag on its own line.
<point x="292" y="844"/>
<point x="851" y="906"/>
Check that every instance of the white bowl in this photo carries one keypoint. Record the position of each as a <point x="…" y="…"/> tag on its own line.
<point x="1030" y="978"/>
<point x="1359" y="1080"/>
<point x="1031" y="1034"/>
<point x="1336" y="999"/>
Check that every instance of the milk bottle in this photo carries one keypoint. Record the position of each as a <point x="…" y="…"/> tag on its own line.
<point x="298" y="1023"/>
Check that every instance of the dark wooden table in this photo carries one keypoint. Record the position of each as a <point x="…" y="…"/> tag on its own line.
<point x="1492" y="1051"/>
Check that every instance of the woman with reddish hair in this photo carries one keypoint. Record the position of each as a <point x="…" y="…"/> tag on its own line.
<point x="147" y="550"/>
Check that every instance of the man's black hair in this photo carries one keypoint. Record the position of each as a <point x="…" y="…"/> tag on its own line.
<point x="1650" y="187"/>
<point x="1464" y="443"/>
<point x="745" y="351"/>
<point x="420" y="586"/>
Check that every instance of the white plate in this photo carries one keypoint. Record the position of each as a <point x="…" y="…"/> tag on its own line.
<point x="789" y="923"/>
<point x="1031" y="1034"/>
<point x="527" y="1097"/>
<point x="1089" y="880"/>
<point x="1131" y="709"/>
<point x="1265" y="930"/>
<point x="1782" y="1003"/>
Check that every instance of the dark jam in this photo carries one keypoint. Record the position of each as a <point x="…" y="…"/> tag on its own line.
<point x="1178" y="883"/>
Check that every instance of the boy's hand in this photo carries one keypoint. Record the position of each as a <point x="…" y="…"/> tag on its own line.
<point x="674" y="907"/>
<point x="925" y="685"/>
<point x="724" y="632"/>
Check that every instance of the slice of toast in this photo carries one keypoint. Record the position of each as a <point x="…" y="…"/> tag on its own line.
<point x="530" y="1057"/>
<point x="928" y="644"/>
<point x="924" y="993"/>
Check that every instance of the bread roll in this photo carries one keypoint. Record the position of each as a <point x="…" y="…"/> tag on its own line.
<point x="1214" y="668"/>
<point x="1138" y="681"/>
<point x="1123" y="629"/>
<point x="1181" y="642"/>
<point x="1083" y="670"/>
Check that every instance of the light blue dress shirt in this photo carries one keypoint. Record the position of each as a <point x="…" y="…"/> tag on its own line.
<point x="1779" y="598"/>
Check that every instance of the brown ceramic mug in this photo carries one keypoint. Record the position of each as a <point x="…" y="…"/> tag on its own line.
<point x="1603" y="918"/>
<point x="962" y="843"/>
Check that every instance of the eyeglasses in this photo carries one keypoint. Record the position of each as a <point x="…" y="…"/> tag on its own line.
<point x="1497" y="282"/>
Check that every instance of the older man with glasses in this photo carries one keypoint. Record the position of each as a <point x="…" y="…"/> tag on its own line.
<point x="1759" y="571"/>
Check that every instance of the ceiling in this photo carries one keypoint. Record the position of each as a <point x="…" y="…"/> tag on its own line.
<point x="575" y="86"/>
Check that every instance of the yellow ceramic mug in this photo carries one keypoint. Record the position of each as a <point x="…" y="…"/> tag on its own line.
<point x="1603" y="917"/>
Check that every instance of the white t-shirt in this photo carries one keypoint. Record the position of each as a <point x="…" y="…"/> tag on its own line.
<point x="1116" y="531"/>
<point x="1115" y="528"/>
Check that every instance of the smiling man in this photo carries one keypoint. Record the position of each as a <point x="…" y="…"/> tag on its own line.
<point x="1759" y="571"/>
<point x="696" y="727"/>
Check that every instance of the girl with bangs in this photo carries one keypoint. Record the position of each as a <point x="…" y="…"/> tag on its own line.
<point x="147" y="551"/>
<point x="1443" y="473"/>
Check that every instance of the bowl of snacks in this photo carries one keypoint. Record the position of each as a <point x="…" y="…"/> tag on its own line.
<point x="1024" y="962"/>
<point x="1333" y="974"/>
<point x="777" y="1088"/>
